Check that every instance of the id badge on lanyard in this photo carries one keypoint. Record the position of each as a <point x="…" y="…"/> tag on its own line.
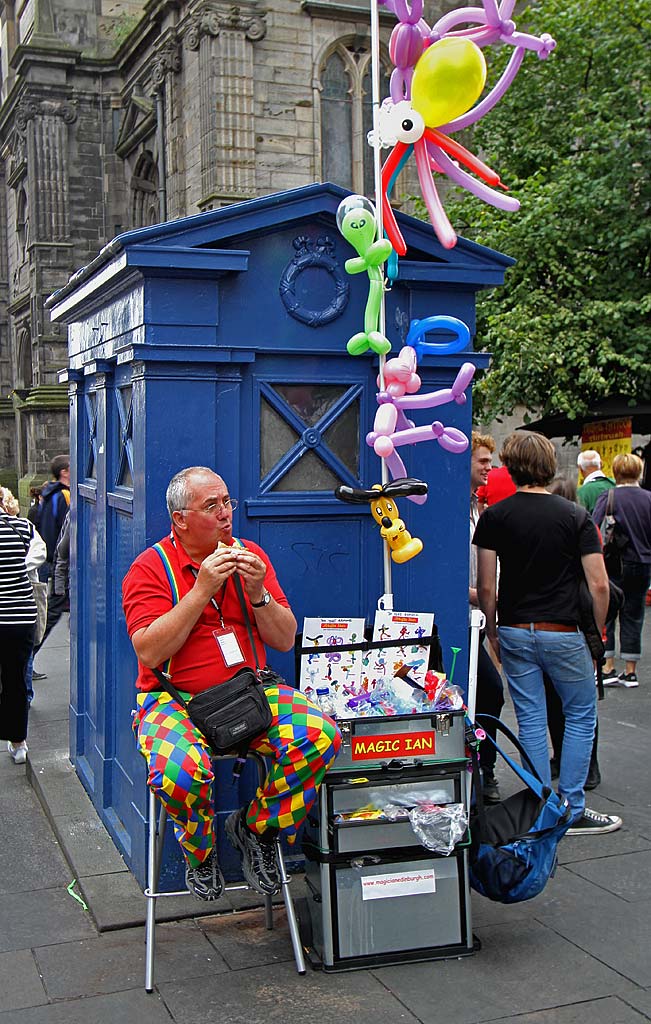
<point x="229" y="646"/>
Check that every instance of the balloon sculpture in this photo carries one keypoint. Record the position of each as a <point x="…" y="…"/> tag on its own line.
<point x="439" y="74"/>
<point x="385" y="512"/>
<point x="392" y="429"/>
<point x="356" y="221"/>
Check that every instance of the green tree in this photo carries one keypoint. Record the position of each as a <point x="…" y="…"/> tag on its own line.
<point x="572" y="140"/>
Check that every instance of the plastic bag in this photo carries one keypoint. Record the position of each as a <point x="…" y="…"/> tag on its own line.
<point x="439" y="828"/>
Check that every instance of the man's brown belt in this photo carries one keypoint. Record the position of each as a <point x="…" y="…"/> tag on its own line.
<point x="546" y="627"/>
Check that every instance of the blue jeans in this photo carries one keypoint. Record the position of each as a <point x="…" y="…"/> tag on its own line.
<point x="634" y="581"/>
<point x="565" y="657"/>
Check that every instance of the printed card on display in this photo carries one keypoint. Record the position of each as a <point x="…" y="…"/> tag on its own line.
<point x="398" y="667"/>
<point x="339" y="671"/>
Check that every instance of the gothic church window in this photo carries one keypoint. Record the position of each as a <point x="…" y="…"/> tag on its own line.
<point x="144" y="192"/>
<point x="21" y="225"/>
<point x="347" y="116"/>
<point x="25" y="375"/>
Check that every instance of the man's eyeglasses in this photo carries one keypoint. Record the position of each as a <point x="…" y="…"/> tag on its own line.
<point x="215" y="507"/>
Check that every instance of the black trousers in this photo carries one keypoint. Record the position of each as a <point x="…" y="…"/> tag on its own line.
<point x="556" y="722"/>
<point x="16" y="643"/>
<point x="490" y="701"/>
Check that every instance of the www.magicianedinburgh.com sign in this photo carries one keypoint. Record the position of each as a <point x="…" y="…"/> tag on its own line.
<point x="406" y="744"/>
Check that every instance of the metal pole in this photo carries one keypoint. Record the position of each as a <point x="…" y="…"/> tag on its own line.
<point x="386" y="600"/>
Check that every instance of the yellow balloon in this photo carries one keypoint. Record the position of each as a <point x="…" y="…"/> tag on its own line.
<point x="448" y="78"/>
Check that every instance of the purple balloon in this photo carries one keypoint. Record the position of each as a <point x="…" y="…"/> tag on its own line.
<point x="408" y="15"/>
<point x="406" y="45"/>
<point x="465" y="180"/>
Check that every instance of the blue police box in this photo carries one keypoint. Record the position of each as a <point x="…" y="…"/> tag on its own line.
<point x="220" y="340"/>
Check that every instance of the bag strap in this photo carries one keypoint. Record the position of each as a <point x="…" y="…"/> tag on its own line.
<point x="531" y="778"/>
<point x="582" y="516"/>
<point x="247" y="619"/>
<point x="17" y="532"/>
<point x="610" y="504"/>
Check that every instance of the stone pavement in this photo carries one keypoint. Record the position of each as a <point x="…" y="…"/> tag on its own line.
<point x="578" y="954"/>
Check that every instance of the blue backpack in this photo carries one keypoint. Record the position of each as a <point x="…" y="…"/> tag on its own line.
<point x="514" y="843"/>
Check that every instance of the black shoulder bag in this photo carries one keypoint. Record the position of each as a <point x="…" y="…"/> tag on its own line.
<point x="614" y="538"/>
<point x="230" y="714"/>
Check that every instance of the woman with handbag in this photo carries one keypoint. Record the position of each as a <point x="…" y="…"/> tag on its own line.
<point x="21" y="550"/>
<point x="631" y="511"/>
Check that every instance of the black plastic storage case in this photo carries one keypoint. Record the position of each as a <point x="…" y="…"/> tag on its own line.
<point x="374" y="895"/>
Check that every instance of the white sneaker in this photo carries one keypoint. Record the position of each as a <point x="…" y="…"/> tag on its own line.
<point x="18" y="752"/>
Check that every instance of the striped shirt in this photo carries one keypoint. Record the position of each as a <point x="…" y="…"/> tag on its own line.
<point x="17" y="604"/>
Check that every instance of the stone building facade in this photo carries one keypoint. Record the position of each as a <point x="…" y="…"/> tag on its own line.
<point x="116" y="114"/>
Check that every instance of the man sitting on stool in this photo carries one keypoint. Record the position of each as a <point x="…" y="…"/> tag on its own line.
<point x="197" y="631"/>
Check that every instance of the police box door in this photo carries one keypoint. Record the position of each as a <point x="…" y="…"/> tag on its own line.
<point x="301" y="425"/>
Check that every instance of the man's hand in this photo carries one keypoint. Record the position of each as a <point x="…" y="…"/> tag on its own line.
<point x="215" y="569"/>
<point x="253" y="571"/>
<point x="495" y="645"/>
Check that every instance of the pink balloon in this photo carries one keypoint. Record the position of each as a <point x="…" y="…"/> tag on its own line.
<point x="383" y="447"/>
<point x="442" y="227"/>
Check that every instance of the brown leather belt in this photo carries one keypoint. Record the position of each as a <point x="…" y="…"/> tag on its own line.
<point x="546" y="627"/>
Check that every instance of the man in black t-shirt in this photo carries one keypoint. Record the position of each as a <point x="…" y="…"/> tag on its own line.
<point x="542" y="552"/>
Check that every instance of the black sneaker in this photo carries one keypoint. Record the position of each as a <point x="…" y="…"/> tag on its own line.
<point x="594" y="824"/>
<point x="259" y="862"/>
<point x="490" y="789"/>
<point x="611" y="678"/>
<point x="206" y="881"/>
<point x="628" y="679"/>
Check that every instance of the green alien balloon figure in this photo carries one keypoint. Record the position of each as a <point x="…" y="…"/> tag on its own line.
<point x="357" y="223"/>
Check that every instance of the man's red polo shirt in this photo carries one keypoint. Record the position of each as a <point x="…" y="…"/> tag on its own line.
<point x="146" y="595"/>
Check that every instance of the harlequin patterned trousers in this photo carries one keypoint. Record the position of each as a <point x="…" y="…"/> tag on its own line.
<point x="301" y="743"/>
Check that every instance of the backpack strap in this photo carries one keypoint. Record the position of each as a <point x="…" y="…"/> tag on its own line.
<point x="530" y="778"/>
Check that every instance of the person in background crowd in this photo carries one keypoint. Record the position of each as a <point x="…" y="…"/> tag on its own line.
<point x="594" y="481"/>
<point x="632" y="512"/>
<point x="490" y="691"/>
<point x="52" y="508"/>
<point x="21" y="551"/>
<point x="541" y="549"/>
<point x="58" y="600"/>
<point x="555" y="717"/>
<point x="498" y="486"/>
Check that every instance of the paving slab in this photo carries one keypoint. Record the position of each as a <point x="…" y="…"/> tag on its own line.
<point x="134" y="1007"/>
<point x="243" y="940"/>
<point x="115" y="961"/>
<point x="277" y="995"/>
<point x="611" y="930"/>
<point x="641" y="1000"/>
<point x="626" y="876"/>
<point x="596" y="1011"/>
<point x="40" y="918"/>
<point x="20" y="984"/>
<point x="27" y="841"/>
<point x="523" y="967"/>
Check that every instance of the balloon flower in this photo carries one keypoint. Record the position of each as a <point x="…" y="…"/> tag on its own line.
<point x="357" y="223"/>
<point x="392" y="429"/>
<point x="385" y="512"/>
<point x="439" y="75"/>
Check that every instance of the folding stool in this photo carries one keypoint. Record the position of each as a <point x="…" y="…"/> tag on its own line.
<point x="156" y="836"/>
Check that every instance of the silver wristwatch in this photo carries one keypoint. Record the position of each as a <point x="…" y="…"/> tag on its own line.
<point x="266" y="599"/>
